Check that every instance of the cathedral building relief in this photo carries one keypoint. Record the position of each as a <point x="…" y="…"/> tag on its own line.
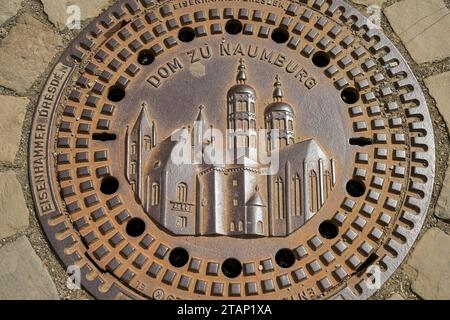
<point x="233" y="199"/>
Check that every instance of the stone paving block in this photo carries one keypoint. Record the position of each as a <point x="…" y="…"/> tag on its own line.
<point x="23" y="275"/>
<point x="442" y="210"/>
<point x="12" y="112"/>
<point x="423" y="27"/>
<point x="26" y="52"/>
<point x="57" y="10"/>
<point x="8" y="9"/>
<point x="439" y="88"/>
<point x="431" y="260"/>
<point x="13" y="210"/>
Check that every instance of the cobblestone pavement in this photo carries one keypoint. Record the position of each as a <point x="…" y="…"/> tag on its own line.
<point x="33" y="33"/>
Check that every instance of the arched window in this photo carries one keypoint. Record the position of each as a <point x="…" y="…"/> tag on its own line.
<point x="313" y="191"/>
<point x="260" y="227"/>
<point x="245" y="105"/>
<point x="182" y="191"/>
<point x="279" y="198"/>
<point x="327" y="182"/>
<point x="291" y="126"/>
<point x="133" y="148"/>
<point x="155" y="194"/>
<point x="245" y="124"/>
<point x="147" y="143"/>
<point x="239" y="124"/>
<point x="297" y="196"/>
<point x="278" y="124"/>
<point x="230" y="107"/>
<point x="241" y="225"/>
<point x="232" y="226"/>
<point x="133" y="185"/>
<point x="133" y="167"/>
<point x="239" y="106"/>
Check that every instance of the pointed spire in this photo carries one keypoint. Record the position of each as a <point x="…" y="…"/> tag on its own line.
<point x="143" y="120"/>
<point x="241" y="76"/>
<point x="199" y="127"/>
<point x="256" y="199"/>
<point x="201" y="116"/>
<point x="277" y="92"/>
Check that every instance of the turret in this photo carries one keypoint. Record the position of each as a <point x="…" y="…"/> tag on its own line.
<point x="279" y="115"/>
<point x="141" y="139"/>
<point x="256" y="214"/>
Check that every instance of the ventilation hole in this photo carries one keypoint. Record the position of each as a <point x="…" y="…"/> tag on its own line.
<point x="233" y="26"/>
<point x="135" y="227"/>
<point x="179" y="257"/>
<point x="231" y="268"/>
<point x="146" y="57"/>
<point x="280" y="35"/>
<point x="109" y="185"/>
<point x="350" y="95"/>
<point x="186" y="34"/>
<point x="355" y="188"/>
<point x="104" y="136"/>
<point x="328" y="230"/>
<point x="321" y="59"/>
<point x="116" y="94"/>
<point x="369" y="261"/>
<point x="285" y="258"/>
<point x="360" y="141"/>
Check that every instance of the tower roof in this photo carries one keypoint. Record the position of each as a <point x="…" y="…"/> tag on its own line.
<point x="277" y="92"/>
<point x="278" y="105"/>
<point x="256" y="200"/>
<point x="201" y="115"/>
<point x="241" y="78"/>
<point x="143" y="120"/>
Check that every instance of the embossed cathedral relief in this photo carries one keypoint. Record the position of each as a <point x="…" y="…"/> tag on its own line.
<point x="148" y="84"/>
<point x="237" y="197"/>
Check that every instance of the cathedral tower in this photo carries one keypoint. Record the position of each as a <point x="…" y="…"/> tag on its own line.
<point x="279" y="116"/>
<point x="241" y="104"/>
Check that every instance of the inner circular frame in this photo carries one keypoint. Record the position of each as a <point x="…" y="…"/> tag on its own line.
<point x="424" y="162"/>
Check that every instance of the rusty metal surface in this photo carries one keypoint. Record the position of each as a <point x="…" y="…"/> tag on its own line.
<point x="355" y="164"/>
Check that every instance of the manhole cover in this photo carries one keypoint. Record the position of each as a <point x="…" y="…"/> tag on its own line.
<point x="245" y="149"/>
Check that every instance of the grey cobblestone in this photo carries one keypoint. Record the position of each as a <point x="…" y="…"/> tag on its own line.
<point x="26" y="52"/>
<point x="12" y="111"/>
<point x="22" y="274"/>
<point x="421" y="25"/>
<point x="13" y="210"/>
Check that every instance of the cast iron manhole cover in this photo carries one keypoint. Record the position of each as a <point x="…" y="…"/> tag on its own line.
<point x="243" y="149"/>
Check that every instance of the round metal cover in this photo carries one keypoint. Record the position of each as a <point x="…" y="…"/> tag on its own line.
<point x="244" y="149"/>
